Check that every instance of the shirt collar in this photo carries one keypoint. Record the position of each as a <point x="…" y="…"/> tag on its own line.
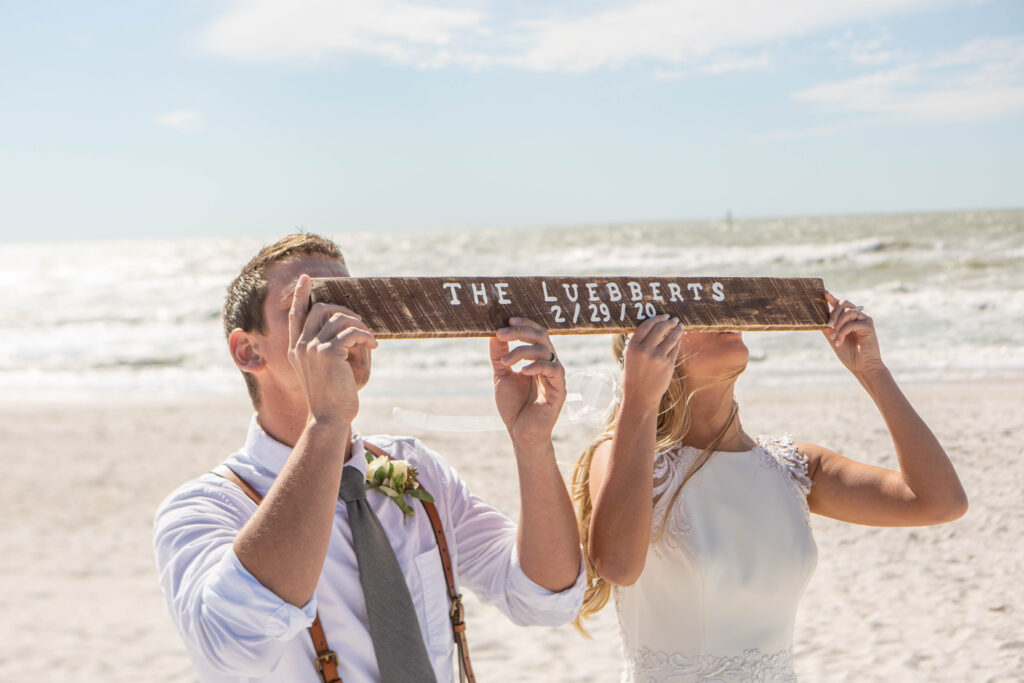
<point x="269" y="454"/>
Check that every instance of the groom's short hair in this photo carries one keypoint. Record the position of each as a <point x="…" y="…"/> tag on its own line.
<point x="243" y="307"/>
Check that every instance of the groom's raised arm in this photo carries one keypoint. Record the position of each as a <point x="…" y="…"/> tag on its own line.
<point x="529" y="401"/>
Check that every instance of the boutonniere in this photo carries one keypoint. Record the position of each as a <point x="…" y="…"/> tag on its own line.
<point x="395" y="479"/>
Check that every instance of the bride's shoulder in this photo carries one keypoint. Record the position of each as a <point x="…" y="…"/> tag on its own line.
<point x="791" y="456"/>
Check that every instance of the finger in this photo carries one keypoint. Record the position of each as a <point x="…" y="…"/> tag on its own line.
<point x="299" y="309"/>
<point x="645" y="328"/>
<point x="498" y="350"/>
<point x="317" y="316"/>
<point x="521" y="353"/>
<point x="842" y="317"/>
<point x="530" y="335"/>
<point x="659" y="332"/>
<point x="348" y="311"/>
<point x="837" y="311"/>
<point x="352" y="336"/>
<point x="526" y="322"/>
<point x="338" y="322"/>
<point x="862" y="327"/>
<point x="552" y="371"/>
<point x="669" y="346"/>
<point x="848" y="314"/>
<point x="830" y="299"/>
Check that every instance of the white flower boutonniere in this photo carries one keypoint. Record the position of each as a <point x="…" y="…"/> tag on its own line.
<point x="395" y="479"/>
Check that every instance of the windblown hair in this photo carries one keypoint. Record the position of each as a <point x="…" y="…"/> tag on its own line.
<point x="674" y="417"/>
<point x="243" y="308"/>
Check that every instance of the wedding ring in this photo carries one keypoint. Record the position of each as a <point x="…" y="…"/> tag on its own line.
<point x="860" y="315"/>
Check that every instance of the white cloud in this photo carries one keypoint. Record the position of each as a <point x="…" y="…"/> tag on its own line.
<point x="730" y="63"/>
<point x="714" y="36"/>
<point x="181" y="120"/>
<point x="687" y="32"/>
<point x="311" y="30"/>
<point x="672" y="38"/>
<point x="980" y="80"/>
<point x="871" y="52"/>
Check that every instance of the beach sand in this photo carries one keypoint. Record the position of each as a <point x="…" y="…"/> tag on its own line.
<point x="81" y="600"/>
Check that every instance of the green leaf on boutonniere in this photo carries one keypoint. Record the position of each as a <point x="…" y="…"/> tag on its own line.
<point x="395" y="478"/>
<point x="421" y="494"/>
<point x="406" y="510"/>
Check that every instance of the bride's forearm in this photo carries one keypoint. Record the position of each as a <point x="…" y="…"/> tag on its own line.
<point x="621" y="523"/>
<point x="924" y="465"/>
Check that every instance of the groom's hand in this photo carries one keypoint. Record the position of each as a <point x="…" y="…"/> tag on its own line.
<point x="530" y="399"/>
<point x="327" y="344"/>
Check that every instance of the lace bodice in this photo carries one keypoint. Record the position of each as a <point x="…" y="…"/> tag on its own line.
<point x="730" y="556"/>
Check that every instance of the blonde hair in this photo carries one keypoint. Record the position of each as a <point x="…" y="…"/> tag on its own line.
<point x="674" y="416"/>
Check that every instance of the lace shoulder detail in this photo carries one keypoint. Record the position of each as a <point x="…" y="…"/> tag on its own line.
<point x="670" y="468"/>
<point x="783" y="453"/>
<point x="645" y="664"/>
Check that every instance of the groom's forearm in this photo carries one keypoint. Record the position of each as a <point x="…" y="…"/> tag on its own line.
<point x="548" y="540"/>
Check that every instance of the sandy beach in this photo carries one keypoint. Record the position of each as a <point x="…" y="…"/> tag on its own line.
<point x="81" y="600"/>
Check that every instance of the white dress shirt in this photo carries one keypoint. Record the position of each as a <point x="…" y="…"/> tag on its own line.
<point x="235" y="629"/>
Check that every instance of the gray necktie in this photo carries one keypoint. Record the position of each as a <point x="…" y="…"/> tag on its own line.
<point x="395" y="630"/>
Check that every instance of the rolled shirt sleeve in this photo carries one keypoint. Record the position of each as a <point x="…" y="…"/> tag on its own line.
<point x="549" y="608"/>
<point x="220" y="609"/>
<point x="485" y="554"/>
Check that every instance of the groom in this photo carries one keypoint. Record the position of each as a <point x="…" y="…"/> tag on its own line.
<point x="243" y="582"/>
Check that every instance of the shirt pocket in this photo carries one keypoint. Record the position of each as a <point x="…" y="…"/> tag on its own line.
<point x="433" y="598"/>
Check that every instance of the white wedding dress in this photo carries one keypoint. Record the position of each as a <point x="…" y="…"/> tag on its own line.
<point x="719" y="591"/>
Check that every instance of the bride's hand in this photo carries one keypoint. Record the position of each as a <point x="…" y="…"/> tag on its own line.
<point x="649" y="359"/>
<point x="851" y="334"/>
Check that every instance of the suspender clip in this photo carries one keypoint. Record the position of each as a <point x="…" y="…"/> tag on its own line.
<point x="455" y="614"/>
<point x="328" y="656"/>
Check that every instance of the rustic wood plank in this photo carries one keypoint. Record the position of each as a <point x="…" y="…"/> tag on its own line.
<point x="419" y="307"/>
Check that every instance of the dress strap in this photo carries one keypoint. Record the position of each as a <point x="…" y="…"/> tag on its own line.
<point x="782" y="451"/>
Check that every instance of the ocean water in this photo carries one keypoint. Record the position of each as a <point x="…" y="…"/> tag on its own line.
<point x="142" y="317"/>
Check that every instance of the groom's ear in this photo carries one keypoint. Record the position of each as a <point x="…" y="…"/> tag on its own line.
<point x="244" y="351"/>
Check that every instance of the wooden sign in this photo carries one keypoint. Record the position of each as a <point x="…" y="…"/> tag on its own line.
<point x="418" y="307"/>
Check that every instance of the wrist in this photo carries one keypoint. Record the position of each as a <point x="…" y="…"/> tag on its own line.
<point x="638" y="407"/>
<point x="874" y="376"/>
<point x="328" y="424"/>
<point x="531" y="448"/>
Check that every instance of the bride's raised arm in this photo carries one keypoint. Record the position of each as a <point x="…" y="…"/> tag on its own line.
<point x="621" y="472"/>
<point x="925" y="490"/>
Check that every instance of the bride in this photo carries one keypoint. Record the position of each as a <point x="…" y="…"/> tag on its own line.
<point x="702" y="532"/>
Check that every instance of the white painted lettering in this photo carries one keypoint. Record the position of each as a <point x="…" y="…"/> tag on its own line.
<point x="479" y="294"/>
<point x="719" y="291"/>
<point x="635" y="292"/>
<point x="592" y="291"/>
<point x="544" y="288"/>
<point x="452" y="287"/>
<point x="502" y="289"/>
<point x="675" y="293"/>
<point x="655" y="286"/>
<point x="614" y="292"/>
<point x="574" y="295"/>
<point x="695" y="289"/>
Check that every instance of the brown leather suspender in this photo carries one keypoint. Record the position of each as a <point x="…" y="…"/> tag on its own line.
<point x="327" y="659"/>
<point x="456" y="613"/>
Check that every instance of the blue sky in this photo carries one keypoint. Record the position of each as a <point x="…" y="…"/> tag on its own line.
<point x="190" y="117"/>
